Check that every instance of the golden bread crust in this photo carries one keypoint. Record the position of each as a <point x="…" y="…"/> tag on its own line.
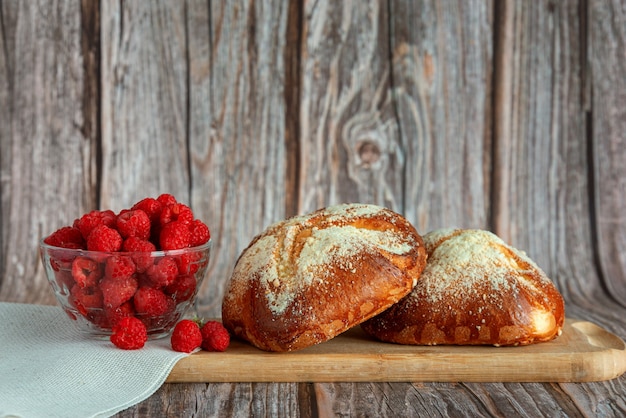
<point x="475" y="290"/>
<point x="309" y="278"/>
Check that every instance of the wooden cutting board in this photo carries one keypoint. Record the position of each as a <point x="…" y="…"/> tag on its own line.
<point x="583" y="353"/>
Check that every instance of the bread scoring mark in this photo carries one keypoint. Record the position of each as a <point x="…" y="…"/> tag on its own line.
<point x="294" y="254"/>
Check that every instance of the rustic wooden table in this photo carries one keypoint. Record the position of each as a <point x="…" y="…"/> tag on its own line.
<point x="497" y="114"/>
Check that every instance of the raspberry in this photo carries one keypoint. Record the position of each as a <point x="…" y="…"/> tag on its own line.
<point x="186" y="336"/>
<point x="174" y="235"/>
<point x="129" y="333"/>
<point x="117" y="291"/>
<point x="166" y="199"/>
<point x="182" y="288"/>
<point x="136" y="245"/>
<point x="66" y="237"/>
<point x="190" y="263"/>
<point x="88" y="222"/>
<point x="214" y="336"/>
<point x="86" y="298"/>
<point x="199" y="233"/>
<point x="133" y="223"/>
<point x="163" y="272"/>
<point x="114" y="315"/>
<point x="152" y="302"/>
<point x="119" y="267"/>
<point x="86" y="272"/>
<point x="105" y="239"/>
<point x="176" y="212"/>
<point x="151" y="207"/>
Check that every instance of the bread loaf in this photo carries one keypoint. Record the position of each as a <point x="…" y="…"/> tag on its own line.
<point x="309" y="278"/>
<point x="475" y="289"/>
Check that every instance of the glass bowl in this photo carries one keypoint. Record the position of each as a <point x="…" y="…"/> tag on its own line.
<point x="96" y="289"/>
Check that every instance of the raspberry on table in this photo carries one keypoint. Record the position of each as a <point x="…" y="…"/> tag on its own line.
<point x="133" y="223"/>
<point x="186" y="336"/>
<point x="214" y="336"/>
<point x="175" y="235"/>
<point x="66" y="237"/>
<point x="104" y="238"/>
<point x="129" y="333"/>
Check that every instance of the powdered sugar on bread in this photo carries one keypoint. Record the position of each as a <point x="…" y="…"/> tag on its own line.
<point x="307" y="278"/>
<point x="475" y="289"/>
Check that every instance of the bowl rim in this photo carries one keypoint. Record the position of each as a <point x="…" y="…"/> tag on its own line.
<point x="159" y="253"/>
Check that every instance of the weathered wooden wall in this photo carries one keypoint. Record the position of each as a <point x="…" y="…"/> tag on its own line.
<point x="497" y="114"/>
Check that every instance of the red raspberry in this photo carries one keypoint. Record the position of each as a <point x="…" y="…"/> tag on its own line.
<point x="117" y="291"/>
<point x="133" y="223"/>
<point x="114" y="315"/>
<point x="151" y="206"/>
<point x="166" y="199"/>
<point x="200" y="233"/>
<point x="163" y="272"/>
<point x="129" y="333"/>
<point x="182" y="288"/>
<point x="176" y="212"/>
<point x="66" y="237"/>
<point x="88" y="222"/>
<point x="174" y="235"/>
<point x="214" y="336"/>
<point x="152" y="302"/>
<point x="136" y="245"/>
<point x="86" y="272"/>
<point x="86" y="299"/>
<point x="186" y="336"/>
<point x="191" y="262"/>
<point x="103" y="238"/>
<point x="119" y="267"/>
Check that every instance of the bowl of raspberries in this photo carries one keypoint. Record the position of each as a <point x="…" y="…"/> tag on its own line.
<point x="146" y="263"/>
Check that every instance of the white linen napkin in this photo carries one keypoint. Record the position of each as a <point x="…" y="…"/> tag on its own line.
<point x="50" y="369"/>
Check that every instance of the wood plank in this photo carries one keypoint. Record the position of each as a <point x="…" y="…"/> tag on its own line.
<point x="442" y="59"/>
<point x="584" y="352"/>
<point x="144" y="72"/>
<point x="237" y="125"/>
<point x="607" y="60"/>
<point x="349" y="150"/>
<point x="48" y="139"/>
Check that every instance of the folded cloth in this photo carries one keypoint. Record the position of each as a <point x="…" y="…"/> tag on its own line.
<point x="50" y="369"/>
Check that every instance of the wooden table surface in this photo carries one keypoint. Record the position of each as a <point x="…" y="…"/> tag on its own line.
<point x="505" y="115"/>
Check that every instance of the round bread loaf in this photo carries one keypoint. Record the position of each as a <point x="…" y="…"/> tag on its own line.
<point x="475" y="289"/>
<point x="306" y="279"/>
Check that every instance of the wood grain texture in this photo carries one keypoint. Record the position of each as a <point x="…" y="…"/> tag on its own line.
<point x="236" y="62"/>
<point x="144" y="102"/>
<point x="48" y="155"/>
<point x="349" y="142"/>
<point x="441" y="59"/>
<point x="608" y="119"/>
<point x="500" y="114"/>
<point x="583" y="352"/>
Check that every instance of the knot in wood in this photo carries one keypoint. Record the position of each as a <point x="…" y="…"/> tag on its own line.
<point x="369" y="153"/>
